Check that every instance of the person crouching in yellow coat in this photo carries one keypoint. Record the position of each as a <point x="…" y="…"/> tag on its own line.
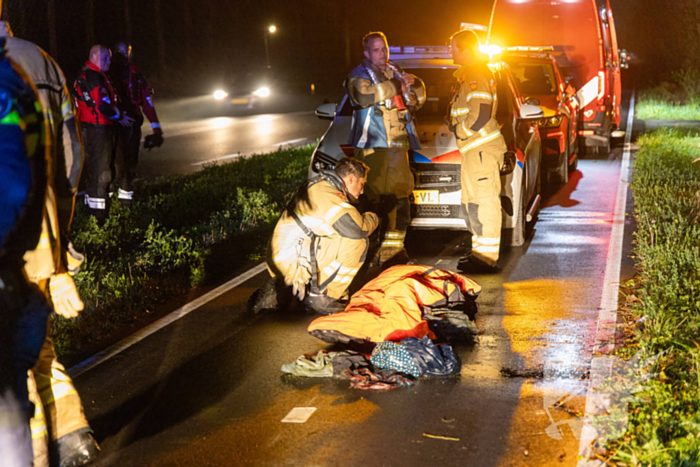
<point x="321" y="240"/>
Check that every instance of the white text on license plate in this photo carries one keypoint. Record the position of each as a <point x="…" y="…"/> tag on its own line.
<point x="426" y="196"/>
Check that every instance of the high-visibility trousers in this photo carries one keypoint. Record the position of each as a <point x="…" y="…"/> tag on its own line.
<point x="389" y="185"/>
<point x="338" y="261"/>
<point x="57" y="407"/>
<point x="481" y="189"/>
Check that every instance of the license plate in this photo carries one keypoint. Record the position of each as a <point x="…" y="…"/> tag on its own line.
<point x="426" y="196"/>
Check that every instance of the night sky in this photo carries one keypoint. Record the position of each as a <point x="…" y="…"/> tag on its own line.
<point x="199" y="43"/>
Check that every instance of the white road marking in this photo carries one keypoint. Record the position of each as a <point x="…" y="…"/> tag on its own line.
<point x="222" y="158"/>
<point x="607" y="318"/>
<point x="291" y="142"/>
<point x="138" y="336"/>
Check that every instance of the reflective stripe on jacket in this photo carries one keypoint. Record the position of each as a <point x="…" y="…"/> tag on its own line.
<point x="473" y="108"/>
<point x="374" y="125"/>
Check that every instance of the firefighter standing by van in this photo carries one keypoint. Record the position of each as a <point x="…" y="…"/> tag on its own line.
<point x="23" y="308"/>
<point x="382" y="132"/>
<point x="472" y="118"/>
<point x="97" y="112"/>
<point x="133" y="94"/>
<point x="321" y="240"/>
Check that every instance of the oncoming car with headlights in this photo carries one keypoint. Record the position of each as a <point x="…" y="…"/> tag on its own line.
<point x="540" y="82"/>
<point x="248" y="99"/>
<point x="436" y="200"/>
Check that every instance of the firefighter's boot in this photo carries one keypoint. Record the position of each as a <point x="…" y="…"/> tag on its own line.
<point x="74" y="449"/>
<point x="322" y="304"/>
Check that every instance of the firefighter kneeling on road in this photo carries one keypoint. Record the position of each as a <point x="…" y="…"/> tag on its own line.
<point x="472" y="118"/>
<point x="383" y="97"/>
<point x="321" y="240"/>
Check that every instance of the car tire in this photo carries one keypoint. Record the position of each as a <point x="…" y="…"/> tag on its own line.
<point x="560" y="176"/>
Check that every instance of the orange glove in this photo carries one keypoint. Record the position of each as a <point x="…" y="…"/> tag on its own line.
<point x="64" y="295"/>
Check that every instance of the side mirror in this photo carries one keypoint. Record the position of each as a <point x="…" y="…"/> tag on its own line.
<point x="530" y="112"/>
<point x="326" y="111"/>
<point x="509" y="161"/>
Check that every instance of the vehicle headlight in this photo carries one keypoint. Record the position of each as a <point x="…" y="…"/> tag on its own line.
<point x="262" y="92"/>
<point x="322" y="161"/>
<point x="551" y="122"/>
<point x="218" y="95"/>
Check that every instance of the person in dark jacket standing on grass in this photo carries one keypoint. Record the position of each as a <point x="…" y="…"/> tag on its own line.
<point x="98" y="112"/>
<point x="135" y="98"/>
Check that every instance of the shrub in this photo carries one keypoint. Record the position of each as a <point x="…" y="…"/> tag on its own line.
<point x="181" y="231"/>
<point x="664" y="429"/>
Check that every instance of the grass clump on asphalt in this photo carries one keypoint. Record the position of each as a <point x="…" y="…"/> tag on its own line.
<point x="664" y="424"/>
<point x="181" y="232"/>
<point x="677" y="100"/>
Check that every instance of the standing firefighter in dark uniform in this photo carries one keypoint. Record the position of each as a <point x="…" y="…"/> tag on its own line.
<point x="382" y="133"/>
<point x="472" y="118"/>
<point x="321" y="240"/>
<point x="135" y="98"/>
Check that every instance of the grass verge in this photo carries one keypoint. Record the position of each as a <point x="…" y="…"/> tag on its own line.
<point x="181" y="232"/>
<point x="678" y="99"/>
<point x="664" y="423"/>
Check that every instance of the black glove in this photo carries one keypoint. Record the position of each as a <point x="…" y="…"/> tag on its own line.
<point x="153" y="141"/>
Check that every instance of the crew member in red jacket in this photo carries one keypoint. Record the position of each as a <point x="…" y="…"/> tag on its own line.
<point x="135" y="98"/>
<point x="97" y="112"/>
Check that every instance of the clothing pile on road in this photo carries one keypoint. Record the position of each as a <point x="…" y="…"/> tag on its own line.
<point x="399" y="311"/>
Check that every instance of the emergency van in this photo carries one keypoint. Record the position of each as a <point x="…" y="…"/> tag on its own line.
<point x="582" y="33"/>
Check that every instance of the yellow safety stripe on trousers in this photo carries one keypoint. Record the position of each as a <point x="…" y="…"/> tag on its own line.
<point x="487" y="241"/>
<point x="38" y="427"/>
<point x="344" y="270"/>
<point x="65" y="108"/>
<point x="480" y="141"/>
<point x="44" y="241"/>
<point x="392" y="243"/>
<point x="395" y="234"/>
<point x="56" y="391"/>
<point x="486" y="244"/>
<point x="331" y="268"/>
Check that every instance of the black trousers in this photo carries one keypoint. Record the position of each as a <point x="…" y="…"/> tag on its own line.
<point x="99" y="150"/>
<point x="126" y="158"/>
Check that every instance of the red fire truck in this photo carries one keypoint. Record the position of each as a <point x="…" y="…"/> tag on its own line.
<point x="582" y="33"/>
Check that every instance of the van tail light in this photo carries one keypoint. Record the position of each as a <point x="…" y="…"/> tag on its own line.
<point x="601" y="84"/>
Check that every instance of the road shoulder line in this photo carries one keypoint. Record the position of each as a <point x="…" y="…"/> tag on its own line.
<point x="607" y="317"/>
<point x="156" y="326"/>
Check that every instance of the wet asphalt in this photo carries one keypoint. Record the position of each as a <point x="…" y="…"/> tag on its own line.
<point x="208" y="391"/>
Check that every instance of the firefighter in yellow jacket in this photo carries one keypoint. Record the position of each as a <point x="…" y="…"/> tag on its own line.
<point x="321" y="240"/>
<point x="61" y="434"/>
<point x="472" y="118"/>
<point x="383" y="98"/>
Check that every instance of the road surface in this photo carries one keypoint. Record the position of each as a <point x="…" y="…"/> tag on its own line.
<point x="208" y="390"/>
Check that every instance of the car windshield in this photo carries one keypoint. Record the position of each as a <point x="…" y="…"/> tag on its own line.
<point x="438" y="89"/>
<point x="534" y="78"/>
